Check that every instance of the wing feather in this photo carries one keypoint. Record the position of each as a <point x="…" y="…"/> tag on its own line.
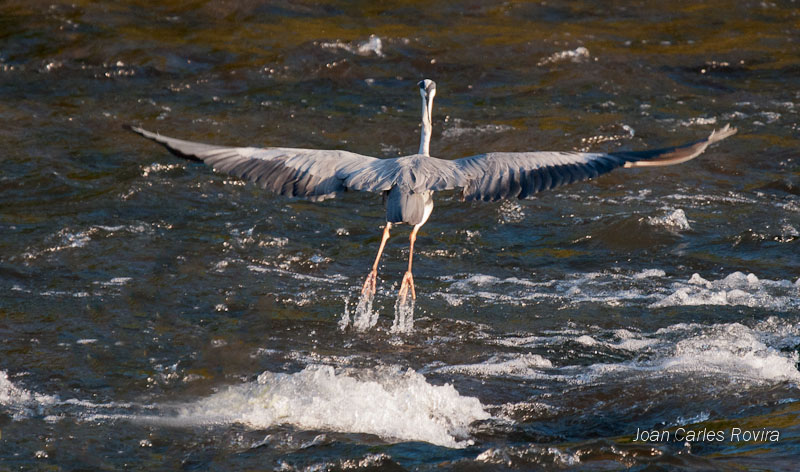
<point x="321" y="174"/>
<point x="499" y="175"/>
<point x="306" y="173"/>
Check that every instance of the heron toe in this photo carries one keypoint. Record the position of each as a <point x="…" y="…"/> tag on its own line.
<point x="370" y="284"/>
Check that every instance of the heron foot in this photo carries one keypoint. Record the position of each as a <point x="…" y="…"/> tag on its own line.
<point x="408" y="283"/>
<point x="370" y="285"/>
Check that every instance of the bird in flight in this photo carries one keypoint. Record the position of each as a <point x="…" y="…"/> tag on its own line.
<point x="408" y="182"/>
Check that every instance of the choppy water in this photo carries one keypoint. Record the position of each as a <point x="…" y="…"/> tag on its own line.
<point x="154" y="314"/>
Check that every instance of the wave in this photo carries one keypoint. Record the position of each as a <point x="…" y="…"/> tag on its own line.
<point x="763" y="353"/>
<point x="568" y="367"/>
<point x="19" y="402"/>
<point x="387" y="401"/>
<point x="735" y="289"/>
<point x="373" y="45"/>
<point x="649" y="287"/>
<point x="579" y="54"/>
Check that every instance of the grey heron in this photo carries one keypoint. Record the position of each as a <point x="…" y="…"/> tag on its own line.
<point x="408" y="182"/>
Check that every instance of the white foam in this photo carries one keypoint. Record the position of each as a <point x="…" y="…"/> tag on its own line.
<point x="587" y="340"/>
<point x="579" y="54"/>
<point x="649" y="273"/>
<point x="770" y="116"/>
<point x="700" y="199"/>
<point x="373" y="45"/>
<point x="10" y="393"/>
<point x="523" y="456"/>
<point x="18" y="401"/>
<point x="588" y="142"/>
<point x="527" y="341"/>
<point x="630" y="341"/>
<point x="698" y="120"/>
<point x="648" y="287"/>
<point x="387" y="401"/>
<point x="457" y="129"/>
<point x="68" y="238"/>
<point x="157" y="168"/>
<point x="731" y="351"/>
<point x="788" y="233"/>
<point x="379" y="461"/>
<point x="612" y="288"/>
<point x="676" y="220"/>
<point x="116" y="281"/>
<point x="619" y="339"/>
<point x="329" y="279"/>
<point x="735" y="289"/>
<point x="517" y="365"/>
<point x="62" y="293"/>
<point x="736" y="355"/>
<point x="510" y="212"/>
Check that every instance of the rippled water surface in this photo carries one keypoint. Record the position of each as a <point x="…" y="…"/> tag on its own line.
<point x="155" y="314"/>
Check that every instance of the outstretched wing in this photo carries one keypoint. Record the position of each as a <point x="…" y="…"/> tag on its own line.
<point x="307" y="173"/>
<point x="499" y="175"/>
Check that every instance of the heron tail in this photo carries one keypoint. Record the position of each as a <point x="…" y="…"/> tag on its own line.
<point x="405" y="206"/>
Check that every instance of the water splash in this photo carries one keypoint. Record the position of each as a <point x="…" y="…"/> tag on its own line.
<point x="372" y="46"/>
<point x="735" y="289"/>
<point x="579" y="54"/>
<point x="344" y="321"/>
<point x="523" y="456"/>
<point x="457" y="128"/>
<point x="675" y="221"/>
<point x="364" y="317"/>
<point x="403" y="316"/>
<point x="19" y="402"/>
<point x="389" y="402"/>
<point x="392" y="402"/>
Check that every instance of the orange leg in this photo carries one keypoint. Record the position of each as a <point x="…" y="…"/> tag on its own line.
<point x="370" y="283"/>
<point x="408" y="279"/>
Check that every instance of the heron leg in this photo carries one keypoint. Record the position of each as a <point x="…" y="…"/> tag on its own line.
<point x="408" y="279"/>
<point x="371" y="282"/>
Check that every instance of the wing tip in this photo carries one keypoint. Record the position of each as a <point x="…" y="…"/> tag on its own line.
<point x="726" y="132"/>
<point x="168" y="143"/>
<point x="681" y="155"/>
<point x="135" y="129"/>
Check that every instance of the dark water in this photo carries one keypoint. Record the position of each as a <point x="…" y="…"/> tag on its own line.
<point x="154" y="314"/>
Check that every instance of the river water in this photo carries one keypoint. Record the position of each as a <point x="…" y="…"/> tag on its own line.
<point x="157" y="315"/>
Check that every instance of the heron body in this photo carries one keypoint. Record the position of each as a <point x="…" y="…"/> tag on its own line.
<point x="408" y="206"/>
<point x="408" y="182"/>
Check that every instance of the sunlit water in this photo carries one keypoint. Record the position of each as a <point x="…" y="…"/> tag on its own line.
<point x="154" y="314"/>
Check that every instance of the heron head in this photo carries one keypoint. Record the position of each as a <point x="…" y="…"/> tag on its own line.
<point x="427" y="90"/>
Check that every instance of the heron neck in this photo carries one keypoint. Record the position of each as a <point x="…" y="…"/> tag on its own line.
<point x="427" y="131"/>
